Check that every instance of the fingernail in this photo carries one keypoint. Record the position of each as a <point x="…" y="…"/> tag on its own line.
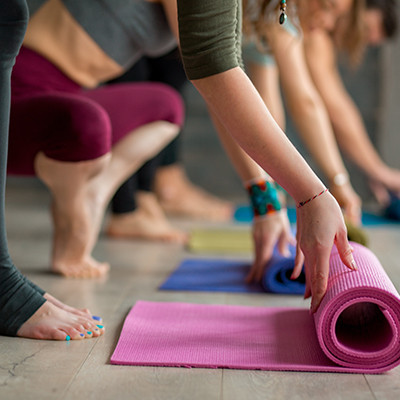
<point x="100" y="326"/>
<point x="81" y="334"/>
<point x="96" y="317"/>
<point x="68" y="338"/>
<point x="89" y="332"/>
<point x="354" y="266"/>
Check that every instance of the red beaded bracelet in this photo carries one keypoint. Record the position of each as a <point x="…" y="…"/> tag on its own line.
<point x="302" y="203"/>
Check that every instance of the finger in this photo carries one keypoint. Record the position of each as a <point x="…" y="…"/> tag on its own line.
<point x="263" y="254"/>
<point x="267" y="252"/>
<point x="307" y="291"/>
<point x="298" y="263"/>
<point x="353" y="214"/>
<point x="380" y="192"/>
<point x="319" y="279"/>
<point x="283" y="245"/>
<point x="250" y="276"/>
<point x="345" y="250"/>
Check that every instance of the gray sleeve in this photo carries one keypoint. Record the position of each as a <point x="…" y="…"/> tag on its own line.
<point x="210" y="36"/>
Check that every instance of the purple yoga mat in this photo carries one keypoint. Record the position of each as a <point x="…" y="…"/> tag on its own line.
<point x="356" y="329"/>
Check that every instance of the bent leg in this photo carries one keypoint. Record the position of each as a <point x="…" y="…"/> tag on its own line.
<point x="65" y="146"/>
<point x="18" y="300"/>
<point x="145" y="117"/>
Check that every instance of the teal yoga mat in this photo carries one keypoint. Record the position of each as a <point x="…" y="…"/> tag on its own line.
<point x="244" y="214"/>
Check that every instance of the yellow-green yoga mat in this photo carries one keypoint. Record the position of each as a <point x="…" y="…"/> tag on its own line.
<point x="221" y="241"/>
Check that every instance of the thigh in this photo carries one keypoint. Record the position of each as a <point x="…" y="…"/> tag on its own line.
<point x="131" y="105"/>
<point x="66" y="127"/>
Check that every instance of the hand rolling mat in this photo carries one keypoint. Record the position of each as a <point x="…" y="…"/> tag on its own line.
<point x="356" y="329"/>
<point x="244" y="214"/>
<point x="227" y="275"/>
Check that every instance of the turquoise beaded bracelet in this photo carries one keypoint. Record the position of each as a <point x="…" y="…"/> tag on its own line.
<point x="264" y="197"/>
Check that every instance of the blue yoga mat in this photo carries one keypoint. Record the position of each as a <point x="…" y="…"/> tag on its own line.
<point x="391" y="216"/>
<point x="224" y="275"/>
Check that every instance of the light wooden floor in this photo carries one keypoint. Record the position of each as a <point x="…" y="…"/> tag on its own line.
<point x="81" y="370"/>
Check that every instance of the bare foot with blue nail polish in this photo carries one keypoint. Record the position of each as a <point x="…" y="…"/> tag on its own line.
<point x="84" y="312"/>
<point x="53" y="323"/>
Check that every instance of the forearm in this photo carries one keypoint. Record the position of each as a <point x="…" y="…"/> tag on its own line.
<point x="245" y="166"/>
<point x="353" y="138"/>
<point x="313" y="124"/>
<point x="237" y="105"/>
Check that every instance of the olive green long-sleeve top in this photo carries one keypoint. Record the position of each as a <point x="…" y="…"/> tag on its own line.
<point x="210" y="36"/>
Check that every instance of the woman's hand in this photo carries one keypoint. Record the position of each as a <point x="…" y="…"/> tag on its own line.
<point x="320" y="225"/>
<point x="386" y="180"/>
<point x="349" y="201"/>
<point x="267" y="232"/>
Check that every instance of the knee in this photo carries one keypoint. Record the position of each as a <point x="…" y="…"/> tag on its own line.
<point x="169" y="105"/>
<point x="14" y="16"/>
<point x="82" y="134"/>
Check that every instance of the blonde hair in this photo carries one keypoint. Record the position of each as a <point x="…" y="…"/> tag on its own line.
<point x="259" y="14"/>
<point x="350" y="38"/>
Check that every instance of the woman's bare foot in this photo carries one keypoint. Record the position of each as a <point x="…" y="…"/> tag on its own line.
<point x="71" y="242"/>
<point x="53" y="323"/>
<point x="178" y="196"/>
<point x="146" y="222"/>
<point x="83" y="312"/>
<point x="86" y="268"/>
<point x="76" y="214"/>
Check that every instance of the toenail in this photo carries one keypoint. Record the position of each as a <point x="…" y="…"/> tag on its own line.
<point x="82" y="334"/>
<point x="100" y="326"/>
<point x="96" y="317"/>
<point x="68" y="338"/>
<point x="89" y="332"/>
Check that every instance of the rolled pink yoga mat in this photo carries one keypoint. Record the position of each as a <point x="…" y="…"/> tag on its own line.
<point x="356" y="329"/>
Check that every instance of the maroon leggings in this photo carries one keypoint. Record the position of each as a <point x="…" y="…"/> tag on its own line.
<point x="51" y="113"/>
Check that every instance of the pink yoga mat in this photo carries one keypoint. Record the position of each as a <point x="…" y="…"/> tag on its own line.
<point x="356" y="329"/>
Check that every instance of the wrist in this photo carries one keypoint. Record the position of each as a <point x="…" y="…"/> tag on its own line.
<point x="379" y="174"/>
<point x="264" y="197"/>
<point x="339" y="179"/>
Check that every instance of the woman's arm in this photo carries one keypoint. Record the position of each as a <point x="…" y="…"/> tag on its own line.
<point x="268" y="231"/>
<point x="308" y="112"/>
<point x="346" y="119"/>
<point x="205" y="26"/>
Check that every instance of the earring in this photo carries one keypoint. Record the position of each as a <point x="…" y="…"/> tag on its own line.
<point x="283" y="16"/>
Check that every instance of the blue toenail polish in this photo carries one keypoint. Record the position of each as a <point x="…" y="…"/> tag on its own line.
<point x="89" y="333"/>
<point x="68" y="338"/>
<point x="100" y="326"/>
<point x="96" y="318"/>
<point x="82" y="334"/>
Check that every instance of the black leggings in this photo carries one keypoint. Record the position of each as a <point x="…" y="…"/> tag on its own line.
<point x="167" y="69"/>
<point x="19" y="298"/>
